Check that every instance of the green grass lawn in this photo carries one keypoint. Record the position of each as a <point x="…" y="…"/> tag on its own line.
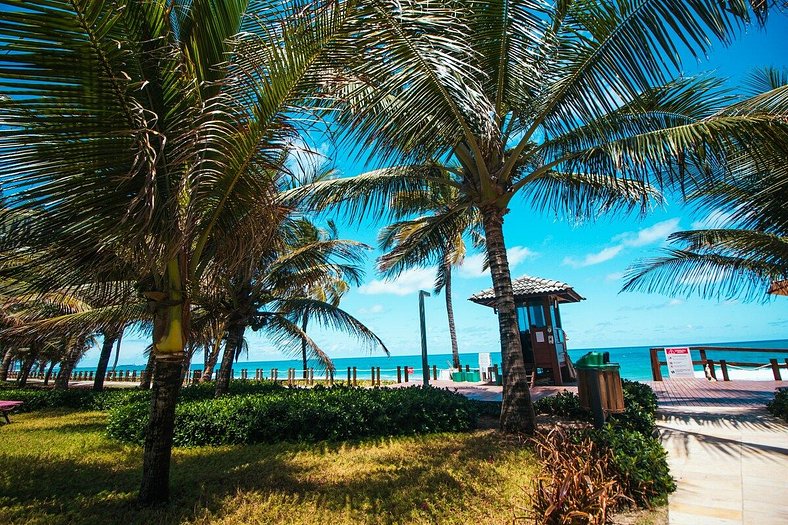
<point x="57" y="467"/>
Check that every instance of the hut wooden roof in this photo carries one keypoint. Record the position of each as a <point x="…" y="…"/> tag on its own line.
<point x="527" y="287"/>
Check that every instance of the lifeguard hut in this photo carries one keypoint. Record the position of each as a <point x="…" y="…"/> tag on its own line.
<point x="541" y="334"/>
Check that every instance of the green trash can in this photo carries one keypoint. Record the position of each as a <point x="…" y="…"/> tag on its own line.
<point x="458" y="376"/>
<point x="473" y="376"/>
<point x="595" y="372"/>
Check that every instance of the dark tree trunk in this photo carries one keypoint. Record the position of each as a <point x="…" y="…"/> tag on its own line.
<point x="304" y="322"/>
<point x="106" y="353"/>
<point x="8" y="356"/>
<point x="210" y="362"/>
<point x="187" y="363"/>
<point x="517" y="410"/>
<point x="155" y="486"/>
<point x="49" y="372"/>
<point x="27" y="366"/>
<point x="455" y="352"/>
<point x="67" y="366"/>
<point x="235" y="335"/>
<point x="147" y="374"/>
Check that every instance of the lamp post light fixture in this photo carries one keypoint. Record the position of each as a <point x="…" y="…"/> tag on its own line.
<point x="425" y="366"/>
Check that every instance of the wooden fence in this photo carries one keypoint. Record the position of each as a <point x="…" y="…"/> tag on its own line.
<point x="710" y="365"/>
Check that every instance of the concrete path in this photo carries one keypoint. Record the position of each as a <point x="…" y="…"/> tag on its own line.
<point x="729" y="459"/>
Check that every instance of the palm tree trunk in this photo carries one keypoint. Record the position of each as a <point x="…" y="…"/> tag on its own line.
<point x="155" y="486"/>
<point x="170" y="330"/>
<point x="304" y="322"/>
<point x="67" y="366"/>
<point x="187" y="362"/>
<point x="117" y="350"/>
<point x="8" y="356"/>
<point x="517" y="411"/>
<point x="27" y="366"/>
<point x="147" y="374"/>
<point x="235" y="334"/>
<point x="106" y="353"/>
<point x="49" y="372"/>
<point x="210" y="363"/>
<point x="455" y="352"/>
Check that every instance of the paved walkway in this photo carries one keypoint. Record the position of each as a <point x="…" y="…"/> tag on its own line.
<point x="485" y="391"/>
<point x="728" y="456"/>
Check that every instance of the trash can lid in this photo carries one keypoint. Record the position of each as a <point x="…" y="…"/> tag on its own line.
<point x="595" y="360"/>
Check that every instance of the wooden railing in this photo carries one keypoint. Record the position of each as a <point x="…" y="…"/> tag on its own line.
<point x="711" y="365"/>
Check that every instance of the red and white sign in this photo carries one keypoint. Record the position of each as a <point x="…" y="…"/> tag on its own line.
<point x="679" y="362"/>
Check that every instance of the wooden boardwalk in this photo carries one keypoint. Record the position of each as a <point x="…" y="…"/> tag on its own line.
<point x="721" y="394"/>
<point x="728" y="456"/>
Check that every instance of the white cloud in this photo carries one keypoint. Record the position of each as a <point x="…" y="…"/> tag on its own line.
<point x="615" y="276"/>
<point x="594" y="258"/>
<point x="409" y="281"/>
<point x="374" y="309"/>
<point x="473" y="266"/>
<point x="656" y="233"/>
<point x="675" y="302"/>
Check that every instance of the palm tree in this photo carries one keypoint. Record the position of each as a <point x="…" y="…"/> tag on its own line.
<point x="146" y="129"/>
<point x="743" y="257"/>
<point x="274" y="296"/>
<point x="569" y="104"/>
<point x="413" y="243"/>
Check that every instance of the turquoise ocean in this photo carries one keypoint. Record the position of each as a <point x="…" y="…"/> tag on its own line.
<point x="634" y="361"/>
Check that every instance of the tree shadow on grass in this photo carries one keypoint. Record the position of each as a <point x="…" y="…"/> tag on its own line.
<point x="391" y="487"/>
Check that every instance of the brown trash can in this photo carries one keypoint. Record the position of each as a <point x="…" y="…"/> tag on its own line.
<point x="591" y="368"/>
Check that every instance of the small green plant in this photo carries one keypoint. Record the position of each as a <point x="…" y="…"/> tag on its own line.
<point x="316" y="414"/>
<point x="564" y="404"/>
<point x="639" y="461"/>
<point x="779" y="405"/>
<point x="578" y="485"/>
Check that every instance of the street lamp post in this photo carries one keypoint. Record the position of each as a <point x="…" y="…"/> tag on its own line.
<point x="425" y="366"/>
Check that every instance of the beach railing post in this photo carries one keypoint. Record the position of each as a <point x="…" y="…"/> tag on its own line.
<point x="406" y="374"/>
<point x="775" y="370"/>
<point x="467" y="368"/>
<point x="90" y="376"/>
<point x="399" y="374"/>
<point x="133" y="376"/>
<point x="378" y="376"/>
<point x="312" y="376"/>
<point x="434" y="372"/>
<point x="348" y="376"/>
<point x="656" y="369"/>
<point x="712" y="370"/>
<point x="128" y="375"/>
<point x="373" y="376"/>
<point x="495" y="369"/>
<point x="355" y="382"/>
<point x="724" y="368"/>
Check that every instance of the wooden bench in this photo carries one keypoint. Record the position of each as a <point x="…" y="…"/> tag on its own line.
<point x="8" y="406"/>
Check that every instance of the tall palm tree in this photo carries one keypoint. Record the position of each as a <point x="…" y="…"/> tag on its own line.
<point x="745" y="255"/>
<point x="412" y="242"/>
<point x="146" y="129"/>
<point x="521" y="96"/>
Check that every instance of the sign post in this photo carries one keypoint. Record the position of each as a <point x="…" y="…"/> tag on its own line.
<point x="679" y="361"/>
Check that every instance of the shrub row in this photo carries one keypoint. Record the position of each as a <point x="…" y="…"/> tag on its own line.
<point x="779" y="405"/>
<point x="37" y="398"/>
<point x="315" y="414"/>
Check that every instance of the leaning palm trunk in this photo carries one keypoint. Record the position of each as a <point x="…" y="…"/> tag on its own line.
<point x="517" y="412"/>
<point x="67" y="366"/>
<point x="101" y="367"/>
<point x="304" y="321"/>
<point x="5" y="365"/>
<point x="211" y="359"/>
<point x="147" y="373"/>
<point x="455" y="352"/>
<point x="49" y="372"/>
<point x="27" y="365"/>
<point x="235" y="335"/>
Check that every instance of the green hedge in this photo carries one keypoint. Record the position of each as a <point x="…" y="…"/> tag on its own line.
<point x="779" y="405"/>
<point x="37" y="398"/>
<point x="316" y="414"/>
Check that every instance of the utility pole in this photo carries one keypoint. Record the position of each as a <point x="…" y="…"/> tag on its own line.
<point x="425" y="366"/>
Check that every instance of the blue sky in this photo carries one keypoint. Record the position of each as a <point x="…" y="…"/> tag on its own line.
<point x="591" y="257"/>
